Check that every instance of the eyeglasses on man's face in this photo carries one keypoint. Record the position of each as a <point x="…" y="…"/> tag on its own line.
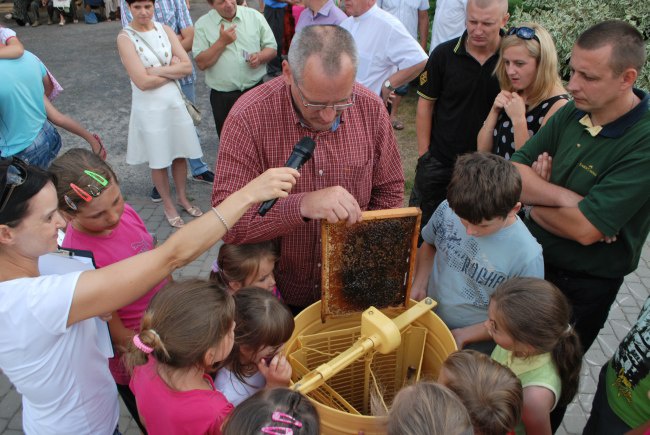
<point x="315" y="106"/>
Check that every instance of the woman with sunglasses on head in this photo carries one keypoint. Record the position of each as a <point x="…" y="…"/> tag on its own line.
<point x="48" y="338"/>
<point x="531" y="90"/>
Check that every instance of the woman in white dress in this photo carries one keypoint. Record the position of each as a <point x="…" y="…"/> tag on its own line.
<point x="161" y="131"/>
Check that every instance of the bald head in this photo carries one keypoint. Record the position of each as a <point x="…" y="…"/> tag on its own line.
<point x="485" y="4"/>
<point x="329" y="43"/>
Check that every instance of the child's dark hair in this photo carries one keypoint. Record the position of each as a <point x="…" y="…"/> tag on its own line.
<point x="261" y="320"/>
<point x="238" y="262"/>
<point x="490" y="391"/>
<point x="483" y="186"/>
<point x="17" y="206"/>
<point x="183" y="321"/>
<point x="428" y="408"/>
<point x="130" y="2"/>
<point x="256" y="413"/>
<point x="535" y="312"/>
<point x="69" y="169"/>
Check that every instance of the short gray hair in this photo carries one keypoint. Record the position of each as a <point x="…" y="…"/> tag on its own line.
<point x="329" y="43"/>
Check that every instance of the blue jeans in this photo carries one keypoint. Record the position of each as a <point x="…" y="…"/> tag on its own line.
<point x="197" y="166"/>
<point x="44" y="148"/>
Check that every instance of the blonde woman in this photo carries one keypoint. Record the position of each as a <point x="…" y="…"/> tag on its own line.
<point x="531" y="90"/>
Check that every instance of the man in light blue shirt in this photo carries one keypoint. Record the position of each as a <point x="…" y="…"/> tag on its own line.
<point x="320" y="12"/>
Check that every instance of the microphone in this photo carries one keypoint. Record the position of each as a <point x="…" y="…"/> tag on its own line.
<point x="302" y="151"/>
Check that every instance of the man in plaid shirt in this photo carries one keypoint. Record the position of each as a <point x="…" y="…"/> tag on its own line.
<point x="355" y="166"/>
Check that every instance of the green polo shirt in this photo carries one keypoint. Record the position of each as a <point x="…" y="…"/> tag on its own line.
<point x="612" y="171"/>
<point x="231" y="71"/>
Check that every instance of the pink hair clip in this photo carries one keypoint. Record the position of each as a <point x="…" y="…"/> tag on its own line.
<point x="281" y="417"/>
<point x="140" y="345"/>
<point x="277" y="430"/>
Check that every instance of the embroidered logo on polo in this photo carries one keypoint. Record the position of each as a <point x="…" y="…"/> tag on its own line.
<point x="589" y="168"/>
<point x="423" y="78"/>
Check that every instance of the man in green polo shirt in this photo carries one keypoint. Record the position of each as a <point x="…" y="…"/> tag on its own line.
<point x="232" y="45"/>
<point x="593" y="214"/>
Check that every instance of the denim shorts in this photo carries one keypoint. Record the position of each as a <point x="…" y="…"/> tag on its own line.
<point x="44" y="148"/>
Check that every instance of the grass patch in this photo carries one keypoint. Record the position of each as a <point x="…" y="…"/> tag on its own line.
<point x="407" y="140"/>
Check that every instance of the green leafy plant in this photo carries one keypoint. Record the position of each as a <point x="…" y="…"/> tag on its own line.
<point x="566" y="20"/>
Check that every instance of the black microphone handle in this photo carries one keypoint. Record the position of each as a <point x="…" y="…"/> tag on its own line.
<point x="266" y="206"/>
<point x="295" y="162"/>
<point x="297" y="158"/>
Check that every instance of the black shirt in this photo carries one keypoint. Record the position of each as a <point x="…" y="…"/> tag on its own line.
<point x="464" y="91"/>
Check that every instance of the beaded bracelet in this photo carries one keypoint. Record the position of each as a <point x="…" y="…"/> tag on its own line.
<point x="223" y="221"/>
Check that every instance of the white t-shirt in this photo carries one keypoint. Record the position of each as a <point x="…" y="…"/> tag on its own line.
<point x="448" y="21"/>
<point x="406" y="11"/>
<point x="384" y="46"/>
<point x="235" y="390"/>
<point x="60" y="371"/>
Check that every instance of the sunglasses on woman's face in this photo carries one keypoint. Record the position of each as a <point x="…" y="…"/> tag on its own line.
<point x="15" y="176"/>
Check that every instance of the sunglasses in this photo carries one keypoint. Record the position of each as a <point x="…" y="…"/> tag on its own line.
<point x="523" y="33"/>
<point x="15" y="176"/>
<point x="91" y="191"/>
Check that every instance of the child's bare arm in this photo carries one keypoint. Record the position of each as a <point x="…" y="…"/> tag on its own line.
<point x="536" y="417"/>
<point x="423" y="266"/>
<point x="470" y="334"/>
<point x="120" y="334"/>
<point x="13" y="50"/>
<point x="64" y="121"/>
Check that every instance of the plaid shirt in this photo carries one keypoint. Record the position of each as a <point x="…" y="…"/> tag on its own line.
<point x="360" y="155"/>
<point x="173" y="13"/>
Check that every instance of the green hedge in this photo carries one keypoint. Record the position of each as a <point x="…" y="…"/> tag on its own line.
<point x="565" y="20"/>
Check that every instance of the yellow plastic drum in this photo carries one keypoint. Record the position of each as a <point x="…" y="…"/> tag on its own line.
<point x="430" y="351"/>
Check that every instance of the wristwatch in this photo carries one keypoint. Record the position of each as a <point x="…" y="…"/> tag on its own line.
<point x="388" y="86"/>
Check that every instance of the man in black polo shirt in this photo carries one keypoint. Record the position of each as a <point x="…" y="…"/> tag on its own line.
<point x="456" y="91"/>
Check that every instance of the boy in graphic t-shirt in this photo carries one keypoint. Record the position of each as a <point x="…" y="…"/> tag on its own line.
<point x="473" y="242"/>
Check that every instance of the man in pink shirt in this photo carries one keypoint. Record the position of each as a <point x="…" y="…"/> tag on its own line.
<point x="355" y="165"/>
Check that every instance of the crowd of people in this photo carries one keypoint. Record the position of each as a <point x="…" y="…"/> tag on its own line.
<point x="533" y="191"/>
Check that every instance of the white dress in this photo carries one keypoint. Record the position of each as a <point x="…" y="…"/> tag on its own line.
<point x="160" y="129"/>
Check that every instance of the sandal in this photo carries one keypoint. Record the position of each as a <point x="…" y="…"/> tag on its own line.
<point x="193" y="211"/>
<point x="176" y="221"/>
<point x="397" y="125"/>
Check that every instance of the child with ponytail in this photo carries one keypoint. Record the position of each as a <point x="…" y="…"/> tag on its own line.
<point x="528" y="318"/>
<point x="100" y="221"/>
<point x="187" y="330"/>
<point x="263" y="325"/>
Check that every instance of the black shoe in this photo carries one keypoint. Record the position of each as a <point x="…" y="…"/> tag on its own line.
<point x="155" y="196"/>
<point x="206" y="177"/>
